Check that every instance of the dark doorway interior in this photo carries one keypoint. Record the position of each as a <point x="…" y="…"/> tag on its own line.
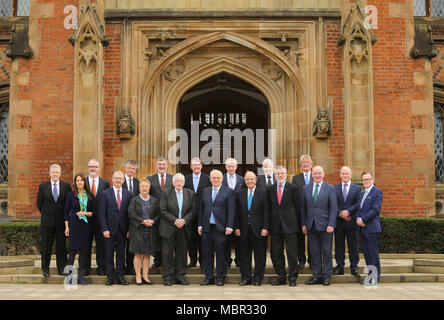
<point x="224" y="102"/>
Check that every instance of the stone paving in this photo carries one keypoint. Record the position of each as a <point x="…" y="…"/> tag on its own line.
<point x="384" y="291"/>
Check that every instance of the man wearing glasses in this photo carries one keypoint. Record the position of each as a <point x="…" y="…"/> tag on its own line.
<point x="367" y="218"/>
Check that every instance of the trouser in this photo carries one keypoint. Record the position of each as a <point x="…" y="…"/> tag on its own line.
<point x="320" y="243"/>
<point x="48" y="234"/>
<point x="115" y="243"/>
<point x="214" y="241"/>
<point x="369" y="243"/>
<point x="277" y="242"/>
<point x="82" y="260"/>
<point x="174" y="255"/>
<point x="346" y="229"/>
<point x="230" y="239"/>
<point x="100" y="247"/>
<point x="247" y="245"/>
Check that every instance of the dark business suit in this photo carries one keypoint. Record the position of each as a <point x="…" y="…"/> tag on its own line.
<point x="174" y="240"/>
<point x="370" y="215"/>
<point x="194" y="244"/>
<point x="262" y="181"/>
<point x="116" y="222"/>
<point x="129" y="255"/>
<point x="251" y="223"/>
<point x="97" y="232"/>
<point x="316" y="217"/>
<point x="345" y="228"/>
<point x="213" y="235"/>
<point x="52" y="223"/>
<point x="299" y="181"/>
<point x="239" y="185"/>
<point x="283" y="229"/>
<point x="156" y="191"/>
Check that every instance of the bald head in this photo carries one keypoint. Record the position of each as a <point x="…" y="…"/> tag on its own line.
<point x="216" y="178"/>
<point x="318" y="174"/>
<point x="345" y="174"/>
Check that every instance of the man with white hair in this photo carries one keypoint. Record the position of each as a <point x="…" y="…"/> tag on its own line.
<point x="216" y="221"/>
<point x="235" y="182"/>
<point x="347" y="194"/>
<point x="267" y="179"/>
<point x="51" y="204"/>
<point x="177" y="211"/>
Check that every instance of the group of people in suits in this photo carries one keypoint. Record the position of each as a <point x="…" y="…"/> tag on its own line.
<point x="168" y="217"/>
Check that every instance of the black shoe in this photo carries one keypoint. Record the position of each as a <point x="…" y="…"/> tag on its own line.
<point x="191" y="265"/>
<point x="337" y="271"/>
<point x="81" y="281"/>
<point x="109" y="282"/>
<point x="100" y="272"/>
<point x="122" y="281"/>
<point x="167" y="283"/>
<point x="65" y="274"/>
<point x="220" y="283"/>
<point x="229" y="263"/>
<point x="354" y="272"/>
<point x="314" y="280"/>
<point x="207" y="282"/>
<point x="87" y="273"/>
<point x="279" y="282"/>
<point x="257" y="283"/>
<point x="146" y="282"/>
<point x="182" y="281"/>
<point x="237" y="262"/>
<point x="326" y="281"/>
<point x="292" y="283"/>
<point x="301" y="265"/>
<point x="245" y="283"/>
<point x="46" y="274"/>
<point x="139" y="283"/>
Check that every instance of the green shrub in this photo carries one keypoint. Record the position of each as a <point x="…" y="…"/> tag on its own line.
<point x="20" y="238"/>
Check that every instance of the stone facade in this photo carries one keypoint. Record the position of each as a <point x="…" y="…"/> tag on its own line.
<point x="304" y="56"/>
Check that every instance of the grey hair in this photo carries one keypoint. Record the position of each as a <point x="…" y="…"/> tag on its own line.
<point x="55" y="165"/>
<point x="132" y="162"/>
<point x="95" y="161"/>
<point x="281" y="167"/>
<point x="177" y="176"/>
<point x="305" y="156"/>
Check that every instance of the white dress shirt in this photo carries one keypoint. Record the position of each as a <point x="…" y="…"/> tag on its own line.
<point x="319" y="188"/>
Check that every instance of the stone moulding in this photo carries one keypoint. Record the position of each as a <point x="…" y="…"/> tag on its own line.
<point x="18" y="45"/>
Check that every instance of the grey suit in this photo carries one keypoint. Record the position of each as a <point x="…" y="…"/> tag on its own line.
<point x="174" y="240"/>
<point x="316" y="217"/>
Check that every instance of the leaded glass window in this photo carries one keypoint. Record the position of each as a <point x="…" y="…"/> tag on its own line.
<point x="4" y="138"/>
<point x="439" y="143"/>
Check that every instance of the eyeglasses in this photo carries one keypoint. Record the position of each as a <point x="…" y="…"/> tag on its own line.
<point x="93" y="167"/>
<point x="368" y="179"/>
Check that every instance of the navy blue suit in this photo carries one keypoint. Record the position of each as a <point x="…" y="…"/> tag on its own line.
<point x="116" y="222"/>
<point x="316" y="217"/>
<point x="240" y="184"/>
<point x="213" y="235"/>
<point x="345" y="228"/>
<point x="369" y="213"/>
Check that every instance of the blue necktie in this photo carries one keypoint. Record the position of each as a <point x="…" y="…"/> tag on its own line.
<point x="196" y="183"/>
<point x="250" y="199"/>
<point x="307" y="181"/>
<point x="179" y="202"/>
<point x="214" y="197"/>
<point x="55" y="192"/>
<point x="363" y="198"/>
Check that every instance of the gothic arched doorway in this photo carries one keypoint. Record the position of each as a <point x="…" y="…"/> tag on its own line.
<point x="222" y="104"/>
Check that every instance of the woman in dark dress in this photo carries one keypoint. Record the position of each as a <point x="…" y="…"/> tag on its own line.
<point x="78" y="213"/>
<point x="143" y="213"/>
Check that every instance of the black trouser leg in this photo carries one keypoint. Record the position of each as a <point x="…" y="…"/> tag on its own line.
<point x="277" y="255"/>
<point x="61" y="251"/>
<point x="46" y="247"/>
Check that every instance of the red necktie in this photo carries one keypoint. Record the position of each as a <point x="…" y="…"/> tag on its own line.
<point x="119" y="201"/>
<point x="93" y="188"/>
<point x="280" y="194"/>
<point x="162" y="182"/>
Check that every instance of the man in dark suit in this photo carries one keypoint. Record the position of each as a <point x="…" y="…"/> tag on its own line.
<point x="51" y="204"/>
<point x="97" y="185"/>
<point x="300" y="180"/>
<point x="216" y="221"/>
<point x="284" y="202"/>
<point x="267" y="179"/>
<point x="347" y="194"/>
<point x="160" y="182"/>
<point x="132" y="185"/>
<point x="251" y="226"/>
<point x="368" y="219"/>
<point x="235" y="182"/>
<point x="178" y="209"/>
<point x="113" y="217"/>
<point x="196" y="181"/>
<point x="319" y="213"/>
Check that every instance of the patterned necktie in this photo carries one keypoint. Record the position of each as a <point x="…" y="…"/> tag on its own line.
<point x="93" y="188"/>
<point x="344" y="192"/>
<point x="315" y="195"/>
<point x="55" y="192"/>
<point x="250" y="199"/>
<point x="231" y="182"/>
<point x="280" y="193"/>
<point x="119" y="201"/>
<point x="162" y="182"/>
<point x="269" y="183"/>
<point x="179" y="202"/>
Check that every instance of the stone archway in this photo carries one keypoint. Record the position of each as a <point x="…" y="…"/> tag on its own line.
<point x="187" y="63"/>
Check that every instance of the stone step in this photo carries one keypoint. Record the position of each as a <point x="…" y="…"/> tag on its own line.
<point x="16" y="267"/>
<point x="268" y="270"/>
<point x="428" y="266"/>
<point x="16" y="263"/>
<point x="231" y="279"/>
